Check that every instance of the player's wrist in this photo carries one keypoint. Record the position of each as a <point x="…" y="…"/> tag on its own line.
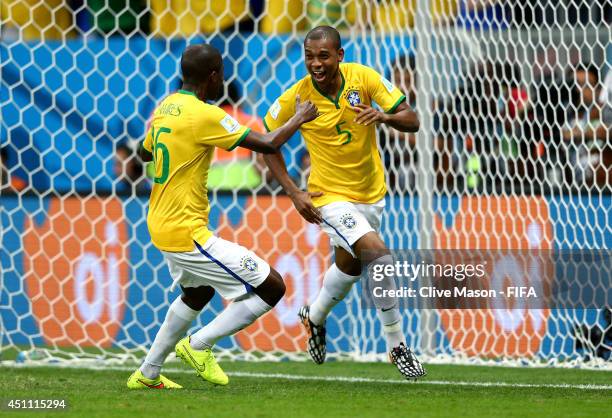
<point x="293" y="193"/>
<point x="384" y="117"/>
<point x="300" y="119"/>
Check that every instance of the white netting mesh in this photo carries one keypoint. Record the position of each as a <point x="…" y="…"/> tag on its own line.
<point x="514" y="152"/>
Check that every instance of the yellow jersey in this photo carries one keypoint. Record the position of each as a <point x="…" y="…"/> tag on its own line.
<point x="182" y="137"/>
<point x="345" y="163"/>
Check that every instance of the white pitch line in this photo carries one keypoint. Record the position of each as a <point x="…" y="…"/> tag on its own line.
<point x="423" y="381"/>
<point x="349" y="379"/>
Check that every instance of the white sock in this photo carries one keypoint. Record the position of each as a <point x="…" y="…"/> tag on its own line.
<point x="236" y="316"/>
<point x="176" y="324"/>
<point x="388" y="312"/>
<point x="336" y="285"/>
<point x="392" y="327"/>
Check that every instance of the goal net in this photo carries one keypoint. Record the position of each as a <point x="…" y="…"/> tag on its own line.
<point x="515" y="104"/>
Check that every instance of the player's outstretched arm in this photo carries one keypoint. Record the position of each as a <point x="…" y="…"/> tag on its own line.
<point x="272" y="141"/>
<point x="300" y="198"/>
<point x="403" y="119"/>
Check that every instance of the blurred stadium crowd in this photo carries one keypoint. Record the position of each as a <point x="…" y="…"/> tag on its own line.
<point x="507" y="128"/>
<point x="56" y="19"/>
<point x="497" y="133"/>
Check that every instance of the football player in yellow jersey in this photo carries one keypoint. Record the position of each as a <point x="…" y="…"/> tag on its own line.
<point x="181" y="139"/>
<point x="346" y="187"/>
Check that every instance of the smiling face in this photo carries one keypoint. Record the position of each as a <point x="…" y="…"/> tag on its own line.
<point x="322" y="61"/>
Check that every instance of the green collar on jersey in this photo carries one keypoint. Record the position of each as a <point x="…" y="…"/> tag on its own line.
<point x="337" y="101"/>
<point x="186" y="92"/>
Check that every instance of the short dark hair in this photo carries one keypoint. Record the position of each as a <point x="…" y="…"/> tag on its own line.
<point x="324" y="32"/>
<point x="198" y="61"/>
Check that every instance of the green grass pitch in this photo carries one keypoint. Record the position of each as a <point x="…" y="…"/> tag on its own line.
<point x="336" y="389"/>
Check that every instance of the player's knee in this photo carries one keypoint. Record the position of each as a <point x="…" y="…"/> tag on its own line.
<point x="272" y="289"/>
<point x="351" y="267"/>
<point x="346" y="263"/>
<point x="370" y="247"/>
<point x="279" y="287"/>
<point x="197" y="297"/>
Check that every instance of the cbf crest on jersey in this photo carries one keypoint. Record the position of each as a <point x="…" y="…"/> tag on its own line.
<point x="352" y="96"/>
<point x="248" y="263"/>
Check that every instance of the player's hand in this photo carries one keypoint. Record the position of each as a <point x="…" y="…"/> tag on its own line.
<point x="367" y="115"/>
<point x="303" y="203"/>
<point x="305" y="111"/>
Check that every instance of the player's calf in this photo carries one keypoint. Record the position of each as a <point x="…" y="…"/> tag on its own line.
<point x="242" y="312"/>
<point x="181" y="314"/>
<point x="400" y="355"/>
<point x="196" y="350"/>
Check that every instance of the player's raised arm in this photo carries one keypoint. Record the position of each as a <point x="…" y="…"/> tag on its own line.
<point x="272" y="141"/>
<point x="279" y="113"/>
